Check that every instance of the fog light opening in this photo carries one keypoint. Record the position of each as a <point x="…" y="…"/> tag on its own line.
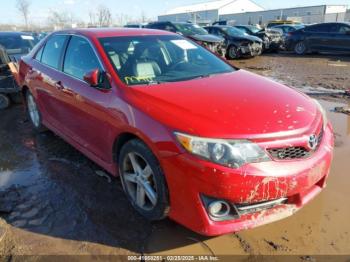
<point x="219" y="209"/>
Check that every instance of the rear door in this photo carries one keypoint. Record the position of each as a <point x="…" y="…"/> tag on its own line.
<point x="318" y="37"/>
<point x="340" y="37"/>
<point x="85" y="108"/>
<point x="44" y="77"/>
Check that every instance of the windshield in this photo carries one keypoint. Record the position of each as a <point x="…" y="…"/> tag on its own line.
<point x="17" y="44"/>
<point x="144" y="60"/>
<point x="254" y="29"/>
<point x="232" y="31"/>
<point x="191" y="29"/>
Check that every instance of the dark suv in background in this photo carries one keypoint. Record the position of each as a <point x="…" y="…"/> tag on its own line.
<point x="195" y="33"/>
<point x="325" y="37"/>
<point x="238" y="44"/>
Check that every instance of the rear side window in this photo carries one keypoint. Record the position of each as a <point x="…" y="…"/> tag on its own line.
<point x="322" y="28"/>
<point x="344" y="29"/>
<point x="53" y="50"/>
<point x="80" y="58"/>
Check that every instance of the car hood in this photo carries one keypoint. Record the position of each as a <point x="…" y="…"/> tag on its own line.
<point x="230" y="105"/>
<point x="207" y="38"/>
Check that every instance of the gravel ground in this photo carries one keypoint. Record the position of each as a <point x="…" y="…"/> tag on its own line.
<point x="54" y="201"/>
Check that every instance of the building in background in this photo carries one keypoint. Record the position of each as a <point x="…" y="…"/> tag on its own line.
<point x="248" y="12"/>
<point x="347" y="16"/>
<point x="306" y="15"/>
<point x="209" y="12"/>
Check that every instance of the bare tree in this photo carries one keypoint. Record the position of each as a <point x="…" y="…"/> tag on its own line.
<point x="104" y="16"/>
<point x="123" y="19"/>
<point x="60" y="20"/>
<point x="23" y="7"/>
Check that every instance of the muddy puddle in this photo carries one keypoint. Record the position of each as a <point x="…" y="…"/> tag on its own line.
<point x="55" y="201"/>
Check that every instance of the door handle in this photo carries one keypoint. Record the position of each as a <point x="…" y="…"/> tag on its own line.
<point x="59" y="85"/>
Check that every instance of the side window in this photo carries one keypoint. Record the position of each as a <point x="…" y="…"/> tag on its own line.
<point x="53" y="49"/>
<point x="322" y="28"/>
<point x="343" y="29"/>
<point x="160" y="26"/>
<point x="80" y="58"/>
<point x="39" y="53"/>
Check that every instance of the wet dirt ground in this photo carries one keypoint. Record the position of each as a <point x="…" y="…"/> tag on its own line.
<point x="55" y="201"/>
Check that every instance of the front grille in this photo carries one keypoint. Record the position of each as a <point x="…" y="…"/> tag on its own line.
<point x="291" y="153"/>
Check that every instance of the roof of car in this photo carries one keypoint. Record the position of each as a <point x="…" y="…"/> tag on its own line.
<point x="110" y="32"/>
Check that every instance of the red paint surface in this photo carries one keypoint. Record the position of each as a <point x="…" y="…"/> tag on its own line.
<point x="238" y="105"/>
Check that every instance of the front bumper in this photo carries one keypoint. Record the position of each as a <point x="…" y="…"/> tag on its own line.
<point x="253" y="49"/>
<point x="298" y="181"/>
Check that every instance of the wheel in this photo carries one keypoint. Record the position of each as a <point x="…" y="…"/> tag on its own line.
<point x="232" y="52"/>
<point x="34" y="114"/>
<point x="143" y="180"/>
<point x="4" y="101"/>
<point x="300" y="48"/>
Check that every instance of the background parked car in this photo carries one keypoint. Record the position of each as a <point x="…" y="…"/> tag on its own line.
<point x="272" y="39"/>
<point x="281" y="22"/>
<point x="13" y="45"/>
<point x="9" y="91"/>
<point x="134" y="25"/>
<point x="325" y="37"/>
<point x="194" y="32"/>
<point x="17" y="44"/>
<point x="285" y="29"/>
<point x="238" y="44"/>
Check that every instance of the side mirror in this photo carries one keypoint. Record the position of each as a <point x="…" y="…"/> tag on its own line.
<point x="98" y="79"/>
<point x="93" y="78"/>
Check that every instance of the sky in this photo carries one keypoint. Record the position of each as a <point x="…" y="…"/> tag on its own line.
<point x="40" y="10"/>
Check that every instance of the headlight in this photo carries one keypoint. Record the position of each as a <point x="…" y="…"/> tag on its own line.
<point x="323" y="112"/>
<point x="231" y="153"/>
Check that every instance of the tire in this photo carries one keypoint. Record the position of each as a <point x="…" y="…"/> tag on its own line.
<point x="146" y="187"/>
<point x="34" y="114"/>
<point x="232" y="52"/>
<point x="5" y="101"/>
<point x="300" y="48"/>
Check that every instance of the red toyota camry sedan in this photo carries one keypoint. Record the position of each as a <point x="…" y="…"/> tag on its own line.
<point x="215" y="148"/>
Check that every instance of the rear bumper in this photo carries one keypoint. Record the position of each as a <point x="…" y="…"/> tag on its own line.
<point x="298" y="181"/>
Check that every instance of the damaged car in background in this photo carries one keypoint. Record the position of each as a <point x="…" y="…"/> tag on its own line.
<point x="272" y="39"/>
<point x="194" y="32"/>
<point x="13" y="45"/>
<point x="213" y="147"/>
<point x="238" y="44"/>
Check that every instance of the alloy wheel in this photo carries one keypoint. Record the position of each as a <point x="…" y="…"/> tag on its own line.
<point x="300" y="48"/>
<point x="33" y="111"/>
<point x="232" y="52"/>
<point x="139" y="181"/>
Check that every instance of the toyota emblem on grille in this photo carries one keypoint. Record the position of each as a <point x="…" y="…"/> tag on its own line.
<point x="313" y="142"/>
